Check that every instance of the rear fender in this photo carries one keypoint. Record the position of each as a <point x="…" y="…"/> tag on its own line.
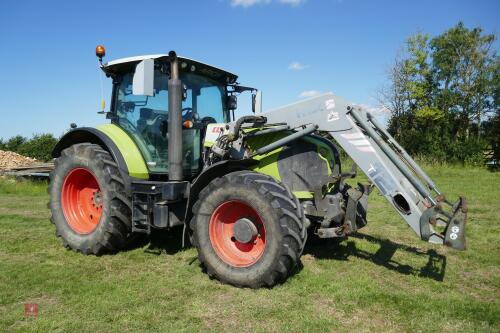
<point x="96" y="136"/>
<point x="92" y="135"/>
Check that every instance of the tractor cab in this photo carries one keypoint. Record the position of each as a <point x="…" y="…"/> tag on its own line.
<point x="140" y="106"/>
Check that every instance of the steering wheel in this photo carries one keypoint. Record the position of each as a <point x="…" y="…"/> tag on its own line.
<point x="126" y="107"/>
<point x="208" y="120"/>
<point x="124" y="122"/>
<point x="189" y="114"/>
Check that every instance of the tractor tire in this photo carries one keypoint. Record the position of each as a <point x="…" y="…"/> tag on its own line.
<point x="249" y="230"/>
<point x="90" y="207"/>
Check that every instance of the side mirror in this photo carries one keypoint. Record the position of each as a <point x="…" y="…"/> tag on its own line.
<point x="257" y="102"/>
<point x="143" y="80"/>
<point x="232" y="102"/>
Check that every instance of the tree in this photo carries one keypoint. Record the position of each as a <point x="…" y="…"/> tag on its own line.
<point x="441" y="90"/>
<point x="14" y="143"/>
<point x="414" y="119"/>
<point x="464" y="67"/>
<point x="39" y="147"/>
<point x="393" y="97"/>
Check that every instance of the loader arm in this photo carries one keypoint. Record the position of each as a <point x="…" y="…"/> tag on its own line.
<point x="389" y="167"/>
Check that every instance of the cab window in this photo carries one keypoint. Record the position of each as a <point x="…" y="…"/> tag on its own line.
<point x="145" y="118"/>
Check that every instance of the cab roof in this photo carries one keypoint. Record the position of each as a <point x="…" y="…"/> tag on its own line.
<point x="124" y="64"/>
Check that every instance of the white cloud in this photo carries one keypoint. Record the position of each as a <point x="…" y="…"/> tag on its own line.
<point x="309" y="93"/>
<point x="375" y="110"/>
<point x="250" y="3"/>
<point x="297" y="66"/>
<point x="247" y="3"/>
<point x="293" y="3"/>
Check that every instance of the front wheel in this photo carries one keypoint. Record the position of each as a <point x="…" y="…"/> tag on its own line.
<point x="248" y="229"/>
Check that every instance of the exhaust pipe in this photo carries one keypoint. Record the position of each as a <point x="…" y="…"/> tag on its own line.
<point x="175" y="170"/>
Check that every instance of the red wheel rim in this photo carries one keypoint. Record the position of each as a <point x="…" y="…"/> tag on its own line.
<point x="81" y="200"/>
<point x="221" y="232"/>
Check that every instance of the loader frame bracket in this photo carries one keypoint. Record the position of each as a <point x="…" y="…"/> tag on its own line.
<point x="455" y="231"/>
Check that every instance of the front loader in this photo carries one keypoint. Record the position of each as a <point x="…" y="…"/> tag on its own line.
<point x="247" y="191"/>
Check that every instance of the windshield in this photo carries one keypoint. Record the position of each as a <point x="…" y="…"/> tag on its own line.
<point x="145" y="118"/>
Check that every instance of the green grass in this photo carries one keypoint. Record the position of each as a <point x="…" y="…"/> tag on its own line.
<point x="385" y="279"/>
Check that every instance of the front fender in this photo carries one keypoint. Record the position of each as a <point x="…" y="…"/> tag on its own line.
<point x="218" y="169"/>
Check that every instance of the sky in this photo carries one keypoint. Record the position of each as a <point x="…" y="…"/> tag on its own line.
<point x="289" y="49"/>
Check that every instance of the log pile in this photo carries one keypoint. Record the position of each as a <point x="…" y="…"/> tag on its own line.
<point x="13" y="164"/>
<point x="9" y="159"/>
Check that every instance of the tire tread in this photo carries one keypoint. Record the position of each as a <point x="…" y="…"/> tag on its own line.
<point x="117" y="231"/>
<point x="291" y="221"/>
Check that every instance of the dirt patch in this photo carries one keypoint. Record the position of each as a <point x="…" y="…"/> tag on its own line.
<point x="358" y="319"/>
<point x="9" y="159"/>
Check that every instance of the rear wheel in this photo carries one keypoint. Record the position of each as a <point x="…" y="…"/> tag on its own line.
<point x="90" y="206"/>
<point x="248" y="229"/>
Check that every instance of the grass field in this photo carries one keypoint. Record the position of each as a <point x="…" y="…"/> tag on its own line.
<point x="384" y="279"/>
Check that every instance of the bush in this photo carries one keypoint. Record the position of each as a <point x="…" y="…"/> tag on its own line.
<point x="40" y="146"/>
<point x="14" y="143"/>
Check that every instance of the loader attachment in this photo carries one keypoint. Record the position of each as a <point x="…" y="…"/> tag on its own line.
<point x="388" y="166"/>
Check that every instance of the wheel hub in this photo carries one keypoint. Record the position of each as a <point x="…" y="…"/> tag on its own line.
<point x="245" y="230"/>
<point x="97" y="199"/>
<point x="237" y="233"/>
<point x="81" y="200"/>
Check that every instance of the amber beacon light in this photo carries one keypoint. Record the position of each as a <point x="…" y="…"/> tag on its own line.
<point x="100" y="51"/>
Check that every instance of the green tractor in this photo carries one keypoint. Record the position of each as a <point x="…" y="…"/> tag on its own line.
<point x="247" y="191"/>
